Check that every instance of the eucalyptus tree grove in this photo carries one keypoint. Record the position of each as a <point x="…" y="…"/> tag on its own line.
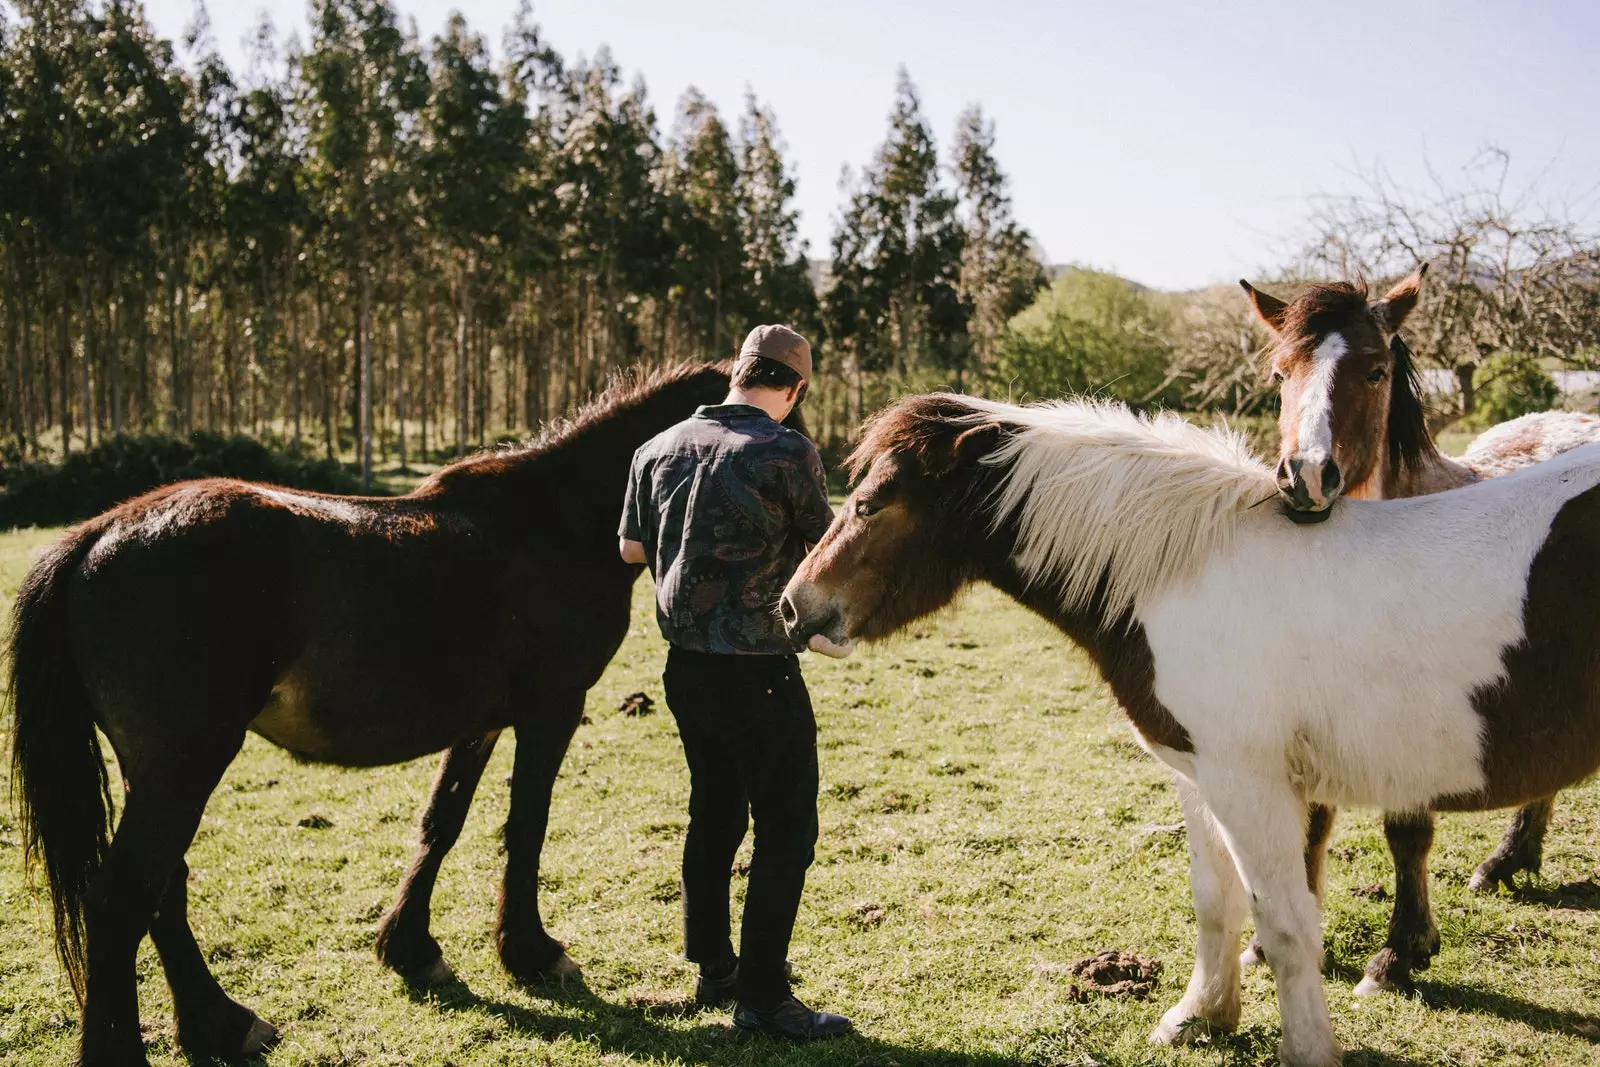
<point x="385" y="245"/>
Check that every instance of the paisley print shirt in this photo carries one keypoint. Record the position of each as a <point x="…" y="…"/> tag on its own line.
<point x="725" y="504"/>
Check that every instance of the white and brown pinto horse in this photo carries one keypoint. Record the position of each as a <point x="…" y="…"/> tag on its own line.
<point x="1353" y="423"/>
<point x="1270" y="666"/>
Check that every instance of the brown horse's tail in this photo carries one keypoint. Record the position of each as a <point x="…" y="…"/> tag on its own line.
<point x="58" y="777"/>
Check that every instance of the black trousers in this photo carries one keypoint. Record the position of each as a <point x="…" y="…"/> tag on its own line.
<point x="751" y="742"/>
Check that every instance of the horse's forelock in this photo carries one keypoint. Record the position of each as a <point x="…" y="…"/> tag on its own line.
<point x="1320" y="308"/>
<point x="925" y="427"/>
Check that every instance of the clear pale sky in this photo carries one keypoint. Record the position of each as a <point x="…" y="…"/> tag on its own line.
<point x="1174" y="142"/>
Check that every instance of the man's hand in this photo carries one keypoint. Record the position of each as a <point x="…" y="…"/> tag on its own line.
<point x="631" y="551"/>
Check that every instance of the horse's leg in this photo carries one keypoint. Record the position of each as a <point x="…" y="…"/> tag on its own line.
<point x="528" y="953"/>
<point x="1264" y="824"/>
<point x="1211" y="1003"/>
<point x="404" y="943"/>
<point x="1413" y="938"/>
<point x="1521" y="849"/>
<point x="159" y="817"/>
<point x="1319" y="828"/>
<point x="210" y="1023"/>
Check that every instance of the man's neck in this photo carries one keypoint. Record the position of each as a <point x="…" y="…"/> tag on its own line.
<point x="774" y="402"/>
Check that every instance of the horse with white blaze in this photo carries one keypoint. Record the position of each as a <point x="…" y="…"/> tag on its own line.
<point x="1434" y="653"/>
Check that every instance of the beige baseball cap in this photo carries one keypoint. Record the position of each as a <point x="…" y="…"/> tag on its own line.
<point x="780" y="344"/>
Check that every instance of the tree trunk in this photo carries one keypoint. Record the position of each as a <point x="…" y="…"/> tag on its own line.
<point x="114" y="322"/>
<point x="422" y="378"/>
<point x="297" y="371"/>
<point x="327" y="385"/>
<point x="65" y="338"/>
<point x="1469" y="396"/>
<point x="172" y="347"/>
<point x="88" y="363"/>
<point x="364" y="351"/>
<point x="14" y="365"/>
<point x="400" y="384"/>
<point x="463" y="316"/>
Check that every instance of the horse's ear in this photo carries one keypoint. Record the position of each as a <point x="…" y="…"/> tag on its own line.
<point x="1269" y="309"/>
<point x="973" y="444"/>
<point x="1400" y="301"/>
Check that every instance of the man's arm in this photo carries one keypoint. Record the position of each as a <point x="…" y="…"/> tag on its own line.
<point x="630" y="537"/>
<point x="812" y="512"/>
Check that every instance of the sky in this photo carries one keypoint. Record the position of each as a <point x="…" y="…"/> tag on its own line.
<point x="1177" y="143"/>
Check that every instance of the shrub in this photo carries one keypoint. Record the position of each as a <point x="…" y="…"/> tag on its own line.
<point x="1091" y="333"/>
<point x="87" y="483"/>
<point x="1509" y="385"/>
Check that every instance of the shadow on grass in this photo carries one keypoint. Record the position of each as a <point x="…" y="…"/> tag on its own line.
<point x="1481" y="1001"/>
<point x="1579" y="896"/>
<point x="656" y="1030"/>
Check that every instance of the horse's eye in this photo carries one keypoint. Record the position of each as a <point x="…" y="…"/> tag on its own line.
<point x="865" y="509"/>
<point x="1277" y="376"/>
<point x="1376" y="374"/>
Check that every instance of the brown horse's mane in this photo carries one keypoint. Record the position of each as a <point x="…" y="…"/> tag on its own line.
<point x="1410" y="442"/>
<point x="625" y="389"/>
<point x="1321" y="307"/>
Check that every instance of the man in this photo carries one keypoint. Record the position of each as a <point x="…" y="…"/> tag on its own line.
<point x="723" y="507"/>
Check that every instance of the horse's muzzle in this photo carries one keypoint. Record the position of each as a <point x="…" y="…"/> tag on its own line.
<point x="806" y="611"/>
<point x="1309" y="486"/>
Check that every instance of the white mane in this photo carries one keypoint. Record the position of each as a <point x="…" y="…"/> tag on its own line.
<point x="1101" y="491"/>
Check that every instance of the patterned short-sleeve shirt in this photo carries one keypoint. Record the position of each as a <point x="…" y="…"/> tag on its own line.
<point x="725" y="504"/>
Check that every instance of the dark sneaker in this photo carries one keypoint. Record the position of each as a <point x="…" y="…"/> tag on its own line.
<point x="792" y="1021"/>
<point x="713" y="990"/>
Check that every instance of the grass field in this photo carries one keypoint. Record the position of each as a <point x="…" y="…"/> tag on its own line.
<point x="985" y="821"/>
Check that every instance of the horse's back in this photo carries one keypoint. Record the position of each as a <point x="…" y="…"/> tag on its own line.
<point x="1529" y="439"/>
<point x="1359" y="649"/>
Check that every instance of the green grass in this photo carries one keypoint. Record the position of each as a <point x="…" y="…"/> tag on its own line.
<point x="985" y="820"/>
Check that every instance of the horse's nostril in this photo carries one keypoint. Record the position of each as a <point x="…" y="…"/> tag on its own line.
<point x="790" y="616"/>
<point x="1332" y="478"/>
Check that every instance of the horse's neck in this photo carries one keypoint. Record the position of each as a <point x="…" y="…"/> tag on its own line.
<point x="1117" y="646"/>
<point x="571" y="491"/>
<point x="1433" y="472"/>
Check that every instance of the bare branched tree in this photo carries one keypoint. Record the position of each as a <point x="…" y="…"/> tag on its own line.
<point x="1512" y="272"/>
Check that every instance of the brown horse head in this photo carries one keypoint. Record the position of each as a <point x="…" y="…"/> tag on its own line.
<point x="1349" y="390"/>
<point x="902" y="545"/>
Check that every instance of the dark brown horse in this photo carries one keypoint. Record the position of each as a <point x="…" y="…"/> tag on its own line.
<point x="1353" y="423"/>
<point x="353" y="631"/>
<point x="1271" y="670"/>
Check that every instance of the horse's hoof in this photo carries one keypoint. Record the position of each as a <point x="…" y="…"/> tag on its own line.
<point x="1483" y="881"/>
<point x="560" y="972"/>
<point x="1185" y="1031"/>
<point x="1331" y="1057"/>
<point x="1182" y="1025"/>
<point x="261" y="1036"/>
<point x="436" y="973"/>
<point x="1372" y="987"/>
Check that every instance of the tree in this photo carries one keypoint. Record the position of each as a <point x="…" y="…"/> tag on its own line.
<point x="897" y="252"/>
<point x="999" y="274"/>
<point x="1509" y="272"/>
<point x="701" y="185"/>
<point x="365" y="81"/>
<point x="777" y="278"/>
<point x="473" y="139"/>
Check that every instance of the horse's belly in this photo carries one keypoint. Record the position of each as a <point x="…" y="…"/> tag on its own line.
<point x="367" y="726"/>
